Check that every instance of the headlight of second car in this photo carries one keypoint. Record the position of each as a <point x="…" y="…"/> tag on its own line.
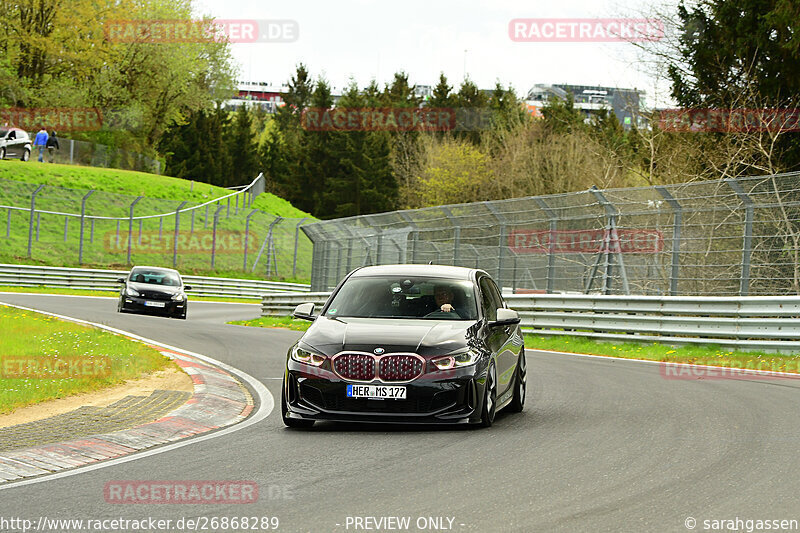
<point x="131" y="292"/>
<point x="456" y="360"/>
<point x="304" y="356"/>
<point x="179" y="297"/>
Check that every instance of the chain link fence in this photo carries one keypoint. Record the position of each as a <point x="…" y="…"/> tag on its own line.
<point x="59" y="226"/>
<point x="723" y="237"/>
<point x="73" y="152"/>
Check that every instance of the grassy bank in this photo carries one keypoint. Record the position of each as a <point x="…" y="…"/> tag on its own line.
<point x="56" y="238"/>
<point x="285" y="322"/>
<point x="32" y="344"/>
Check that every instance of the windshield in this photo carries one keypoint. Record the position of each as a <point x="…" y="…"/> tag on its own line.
<point x="155" y="277"/>
<point x="405" y="297"/>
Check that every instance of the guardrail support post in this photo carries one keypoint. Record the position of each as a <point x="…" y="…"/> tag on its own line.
<point x="30" y="223"/>
<point x="214" y="236"/>
<point x="130" y="226"/>
<point x="177" y="229"/>
<point x="747" y="245"/>
<point x="83" y="219"/>
<point x="296" y="243"/>
<point x="676" y="238"/>
<point x="551" y="244"/>
<point x="247" y="237"/>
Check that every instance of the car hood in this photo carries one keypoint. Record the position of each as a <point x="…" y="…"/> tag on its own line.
<point x="149" y="287"/>
<point x="425" y="337"/>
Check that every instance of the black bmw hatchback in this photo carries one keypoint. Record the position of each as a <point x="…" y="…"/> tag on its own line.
<point x="153" y="290"/>
<point x="407" y="344"/>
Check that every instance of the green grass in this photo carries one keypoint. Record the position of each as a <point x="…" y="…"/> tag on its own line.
<point x="692" y="354"/>
<point x="102" y="247"/>
<point x="285" y="322"/>
<point x="86" y="292"/>
<point x="26" y="336"/>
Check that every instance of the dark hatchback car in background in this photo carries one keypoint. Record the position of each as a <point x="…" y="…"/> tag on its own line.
<point x="15" y="143"/>
<point x="153" y="290"/>
<point x="407" y="344"/>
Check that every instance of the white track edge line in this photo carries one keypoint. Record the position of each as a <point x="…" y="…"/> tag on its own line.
<point x="266" y="405"/>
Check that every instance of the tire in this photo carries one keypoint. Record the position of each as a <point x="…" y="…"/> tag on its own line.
<point x="26" y="155"/>
<point x="292" y="422"/>
<point x="489" y="409"/>
<point x="2" y="153"/>
<point x="520" y="385"/>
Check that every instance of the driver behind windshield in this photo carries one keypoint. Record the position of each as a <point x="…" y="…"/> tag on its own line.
<point x="443" y="295"/>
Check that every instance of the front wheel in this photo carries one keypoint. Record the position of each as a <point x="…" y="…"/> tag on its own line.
<point x="2" y="153"/>
<point x="520" y="385"/>
<point x="26" y="155"/>
<point x="489" y="399"/>
<point x="291" y="422"/>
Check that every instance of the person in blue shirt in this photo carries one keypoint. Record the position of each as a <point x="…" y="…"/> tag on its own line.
<point x="41" y="142"/>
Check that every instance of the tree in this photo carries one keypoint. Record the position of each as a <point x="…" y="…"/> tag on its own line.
<point x="243" y="148"/>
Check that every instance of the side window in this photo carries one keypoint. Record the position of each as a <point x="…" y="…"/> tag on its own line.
<point x="12" y="135"/>
<point x="490" y="300"/>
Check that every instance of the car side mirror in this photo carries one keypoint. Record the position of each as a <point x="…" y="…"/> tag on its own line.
<point x="120" y="280"/>
<point x="505" y="317"/>
<point x="187" y="287"/>
<point x="304" y="311"/>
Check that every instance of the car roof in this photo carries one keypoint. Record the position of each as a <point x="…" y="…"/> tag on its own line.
<point x="155" y="269"/>
<point x="434" y="271"/>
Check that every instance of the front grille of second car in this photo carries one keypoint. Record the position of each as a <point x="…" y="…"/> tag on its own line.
<point x="154" y="295"/>
<point x="399" y="368"/>
<point x="355" y="366"/>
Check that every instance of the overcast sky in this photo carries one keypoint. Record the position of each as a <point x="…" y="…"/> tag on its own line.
<point x="366" y="39"/>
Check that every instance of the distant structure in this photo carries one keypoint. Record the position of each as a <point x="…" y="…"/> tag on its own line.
<point x="625" y="103"/>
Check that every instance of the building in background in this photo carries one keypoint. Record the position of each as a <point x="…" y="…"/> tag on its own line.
<point x="625" y="103"/>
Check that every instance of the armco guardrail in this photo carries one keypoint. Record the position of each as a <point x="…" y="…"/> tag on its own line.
<point x="106" y="280"/>
<point x="282" y="304"/>
<point x="763" y="323"/>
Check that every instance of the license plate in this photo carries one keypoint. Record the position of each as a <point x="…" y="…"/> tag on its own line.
<point x="376" y="391"/>
<point x="154" y="304"/>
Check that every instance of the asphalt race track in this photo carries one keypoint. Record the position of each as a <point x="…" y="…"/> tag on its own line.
<point x="603" y="445"/>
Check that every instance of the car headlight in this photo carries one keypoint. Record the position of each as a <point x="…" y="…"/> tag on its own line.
<point x="304" y="356"/>
<point x="131" y="292"/>
<point x="456" y="360"/>
<point x="179" y="296"/>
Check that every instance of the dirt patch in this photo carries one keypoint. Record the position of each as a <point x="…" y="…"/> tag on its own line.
<point x="172" y="378"/>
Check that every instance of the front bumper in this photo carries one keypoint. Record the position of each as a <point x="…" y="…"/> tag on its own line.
<point x="447" y="397"/>
<point x="138" y="305"/>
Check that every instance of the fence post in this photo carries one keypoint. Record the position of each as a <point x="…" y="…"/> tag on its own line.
<point x="214" y="237"/>
<point x="83" y="218"/>
<point x="177" y="229"/>
<point x="191" y="229"/>
<point x="205" y="219"/>
<point x="30" y="223"/>
<point x="502" y="240"/>
<point x="247" y="237"/>
<point x="228" y="212"/>
<point x="66" y="227"/>
<point x="71" y="150"/>
<point x="609" y="235"/>
<point x="38" y="220"/>
<point x="456" y="232"/>
<point x="8" y="222"/>
<point x="130" y="226"/>
<point x="415" y="232"/>
<point x="677" y="211"/>
<point x="551" y="250"/>
<point x="747" y="245"/>
<point x="271" y="247"/>
<point x="296" y="241"/>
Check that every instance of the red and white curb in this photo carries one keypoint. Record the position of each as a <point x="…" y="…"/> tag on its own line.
<point x="219" y="401"/>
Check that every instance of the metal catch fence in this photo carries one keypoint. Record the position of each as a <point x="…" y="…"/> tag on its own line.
<point x="722" y="237"/>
